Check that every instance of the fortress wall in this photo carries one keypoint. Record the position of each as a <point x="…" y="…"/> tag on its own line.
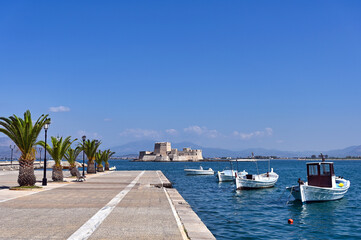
<point x="180" y="158"/>
<point x="148" y="158"/>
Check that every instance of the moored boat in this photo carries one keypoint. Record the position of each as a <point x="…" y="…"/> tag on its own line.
<point x="199" y="171"/>
<point x="321" y="185"/>
<point x="255" y="181"/>
<point x="229" y="175"/>
<point x="113" y="168"/>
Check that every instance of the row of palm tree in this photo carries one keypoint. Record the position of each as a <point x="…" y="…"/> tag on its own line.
<point x="24" y="133"/>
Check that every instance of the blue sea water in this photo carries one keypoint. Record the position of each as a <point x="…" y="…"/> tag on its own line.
<point x="263" y="214"/>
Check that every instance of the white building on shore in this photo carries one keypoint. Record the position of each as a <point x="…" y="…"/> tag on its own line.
<point x="164" y="152"/>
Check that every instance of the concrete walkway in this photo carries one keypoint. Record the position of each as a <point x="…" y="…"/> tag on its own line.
<point x="112" y="205"/>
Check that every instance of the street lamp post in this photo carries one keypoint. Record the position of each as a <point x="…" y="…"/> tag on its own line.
<point x="95" y="163"/>
<point x="84" y="137"/>
<point x="45" y="180"/>
<point x="12" y="147"/>
<point x="40" y="149"/>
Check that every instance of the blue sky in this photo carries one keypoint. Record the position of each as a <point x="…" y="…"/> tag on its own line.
<point x="230" y="74"/>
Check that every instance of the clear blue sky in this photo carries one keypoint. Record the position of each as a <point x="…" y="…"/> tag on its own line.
<point x="230" y="74"/>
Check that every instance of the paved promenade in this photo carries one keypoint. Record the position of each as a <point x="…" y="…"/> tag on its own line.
<point x="112" y="205"/>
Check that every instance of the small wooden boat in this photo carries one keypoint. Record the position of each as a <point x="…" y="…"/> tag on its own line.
<point x="229" y="175"/>
<point x="321" y="185"/>
<point x="255" y="181"/>
<point x="226" y="175"/>
<point x="199" y="171"/>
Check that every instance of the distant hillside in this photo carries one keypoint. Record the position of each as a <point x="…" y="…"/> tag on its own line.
<point x="135" y="147"/>
<point x="353" y="151"/>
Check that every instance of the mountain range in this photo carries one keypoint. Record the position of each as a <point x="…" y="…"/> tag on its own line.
<point x="132" y="149"/>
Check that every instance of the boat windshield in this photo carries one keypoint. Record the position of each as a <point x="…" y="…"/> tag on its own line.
<point x="313" y="170"/>
<point x="325" y="170"/>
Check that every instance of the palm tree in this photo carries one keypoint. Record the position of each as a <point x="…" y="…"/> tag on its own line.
<point x="99" y="156"/>
<point x="71" y="156"/>
<point x="24" y="134"/>
<point x="90" y="148"/>
<point x="57" y="152"/>
<point x="108" y="154"/>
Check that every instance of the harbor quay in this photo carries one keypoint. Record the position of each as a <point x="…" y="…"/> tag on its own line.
<point x="110" y="205"/>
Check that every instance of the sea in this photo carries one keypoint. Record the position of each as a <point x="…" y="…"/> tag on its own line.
<point x="263" y="213"/>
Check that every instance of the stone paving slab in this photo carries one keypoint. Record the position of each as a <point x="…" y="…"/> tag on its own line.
<point x="144" y="213"/>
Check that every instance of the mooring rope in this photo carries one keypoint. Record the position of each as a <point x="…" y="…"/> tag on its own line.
<point x="282" y="194"/>
<point x="289" y="196"/>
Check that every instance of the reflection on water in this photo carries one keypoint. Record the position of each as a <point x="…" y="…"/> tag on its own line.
<point x="263" y="213"/>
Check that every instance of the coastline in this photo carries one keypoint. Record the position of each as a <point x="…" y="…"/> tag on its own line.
<point x="251" y="160"/>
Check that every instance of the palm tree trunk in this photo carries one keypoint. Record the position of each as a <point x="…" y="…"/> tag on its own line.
<point x="26" y="173"/>
<point x="73" y="170"/>
<point x="91" y="167"/>
<point x="100" y="168"/>
<point x="106" y="166"/>
<point x="57" y="175"/>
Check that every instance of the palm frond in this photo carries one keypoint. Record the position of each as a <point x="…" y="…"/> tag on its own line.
<point x="90" y="148"/>
<point x="23" y="132"/>
<point x="58" y="149"/>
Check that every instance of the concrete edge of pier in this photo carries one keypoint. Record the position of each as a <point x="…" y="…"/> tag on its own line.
<point x="192" y="224"/>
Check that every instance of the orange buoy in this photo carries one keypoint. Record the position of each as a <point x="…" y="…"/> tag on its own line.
<point x="290" y="221"/>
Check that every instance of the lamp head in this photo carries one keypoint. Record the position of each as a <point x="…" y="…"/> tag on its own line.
<point x="46" y="126"/>
<point x="83" y="137"/>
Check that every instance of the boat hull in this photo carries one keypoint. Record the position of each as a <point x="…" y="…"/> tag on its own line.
<point x="198" y="172"/>
<point x="306" y="193"/>
<point x="224" y="177"/>
<point x="229" y="175"/>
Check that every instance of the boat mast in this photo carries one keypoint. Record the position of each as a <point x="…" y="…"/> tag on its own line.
<point x="255" y="162"/>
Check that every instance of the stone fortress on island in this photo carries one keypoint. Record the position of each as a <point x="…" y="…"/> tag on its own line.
<point x="164" y="153"/>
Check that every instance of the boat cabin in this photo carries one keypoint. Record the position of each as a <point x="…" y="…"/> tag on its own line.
<point x="320" y="174"/>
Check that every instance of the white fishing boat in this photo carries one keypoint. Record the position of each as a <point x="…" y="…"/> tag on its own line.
<point x="199" y="171"/>
<point x="113" y="168"/>
<point x="226" y="175"/>
<point x="229" y="175"/>
<point x="321" y="185"/>
<point x="254" y="181"/>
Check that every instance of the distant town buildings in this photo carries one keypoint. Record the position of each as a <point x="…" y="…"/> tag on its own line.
<point x="164" y="152"/>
